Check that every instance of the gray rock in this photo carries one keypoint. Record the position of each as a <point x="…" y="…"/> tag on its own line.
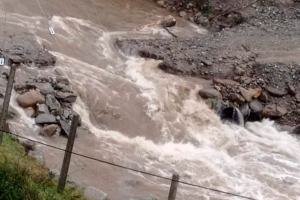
<point x="169" y="21"/>
<point x="276" y="92"/>
<point x="37" y="155"/>
<point x="15" y="59"/>
<point x="66" y="96"/>
<point x="52" y="103"/>
<point x="64" y="88"/>
<point x="264" y="97"/>
<point x="144" y="198"/>
<point x="182" y="14"/>
<point x="237" y="98"/>
<point x="291" y="89"/>
<point x="95" y="194"/>
<point x="45" y="88"/>
<point x="49" y="130"/>
<point x="65" y="127"/>
<point x="42" y="109"/>
<point x="45" y="119"/>
<point x="296" y="130"/>
<point x="62" y="80"/>
<point x="28" y="145"/>
<point x="239" y="71"/>
<point x="245" y="110"/>
<point x="256" y="106"/>
<point x="210" y="94"/>
<point x="274" y="111"/>
<point x="246" y="94"/>
<point x="202" y="20"/>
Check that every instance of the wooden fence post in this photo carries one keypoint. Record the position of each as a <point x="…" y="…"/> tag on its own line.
<point x="174" y="186"/>
<point x="68" y="154"/>
<point x="6" y="101"/>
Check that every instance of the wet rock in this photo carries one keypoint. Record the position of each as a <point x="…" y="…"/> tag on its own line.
<point x="95" y="194"/>
<point x="298" y="97"/>
<point x="237" y="98"/>
<point x="276" y="92"/>
<point x="44" y="88"/>
<point x="182" y="14"/>
<point x="43" y="109"/>
<point x="233" y="115"/>
<point x="52" y="103"/>
<point x="210" y="94"/>
<point x="291" y="89"/>
<point x="37" y="155"/>
<point x="65" y="127"/>
<point x="161" y="3"/>
<point x="45" y="119"/>
<point x="273" y="111"/>
<point x="28" y="145"/>
<point x="49" y="130"/>
<point x="245" y="110"/>
<point x="30" y="99"/>
<point x="66" y="96"/>
<point x="264" y="97"/>
<point x="256" y="106"/>
<point x="296" y="130"/>
<point x="169" y="21"/>
<point x="255" y="116"/>
<point x="246" y="94"/>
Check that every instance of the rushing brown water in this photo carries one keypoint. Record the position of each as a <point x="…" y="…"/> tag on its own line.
<point x="137" y="116"/>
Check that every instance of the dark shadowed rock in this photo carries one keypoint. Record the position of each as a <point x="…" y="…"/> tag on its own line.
<point x="210" y="94"/>
<point x="65" y="127"/>
<point x="37" y="155"/>
<point x="45" y="88"/>
<point x="28" y="145"/>
<point x="291" y="89"/>
<point x="42" y="109"/>
<point x="233" y="115"/>
<point x="296" y="130"/>
<point x="52" y="103"/>
<point x="95" y="194"/>
<point x="256" y="106"/>
<point x="49" y="130"/>
<point x="276" y="92"/>
<point x="264" y="97"/>
<point x="45" y="119"/>
<point x="237" y="98"/>
<point x="30" y="99"/>
<point x="298" y="97"/>
<point x="66" y="96"/>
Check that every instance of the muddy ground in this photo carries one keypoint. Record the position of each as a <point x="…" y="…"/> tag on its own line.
<point x="257" y="58"/>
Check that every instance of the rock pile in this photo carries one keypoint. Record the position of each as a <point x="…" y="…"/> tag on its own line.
<point x="51" y="101"/>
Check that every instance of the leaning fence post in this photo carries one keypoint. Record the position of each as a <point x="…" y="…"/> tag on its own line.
<point x="174" y="186"/>
<point x="6" y="101"/>
<point x="68" y="154"/>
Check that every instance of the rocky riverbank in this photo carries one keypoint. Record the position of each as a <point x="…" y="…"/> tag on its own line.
<point x="254" y="66"/>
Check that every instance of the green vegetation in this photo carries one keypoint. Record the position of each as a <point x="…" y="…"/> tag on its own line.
<point x="23" y="178"/>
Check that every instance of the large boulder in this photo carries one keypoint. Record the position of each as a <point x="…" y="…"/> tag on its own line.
<point x="66" y="96"/>
<point x="45" y="88"/>
<point x="52" y="103"/>
<point x="95" y="194"/>
<point x="30" y="99"/>
<point x="232" y="115"/>
<point x="210" y="94"/>
<point x="45" y="119"/>
<point x="49" y="130"/>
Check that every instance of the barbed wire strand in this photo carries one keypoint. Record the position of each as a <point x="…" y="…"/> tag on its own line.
<point x="128" y="168"/>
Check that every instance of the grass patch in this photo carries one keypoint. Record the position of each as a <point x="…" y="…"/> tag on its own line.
<point x="23" y="178"/>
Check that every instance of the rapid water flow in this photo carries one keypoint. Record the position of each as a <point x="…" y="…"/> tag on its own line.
<point x="138" y="116"/>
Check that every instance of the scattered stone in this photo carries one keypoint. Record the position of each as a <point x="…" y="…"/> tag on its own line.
<point x="42" y="109"/>
<point x="52" y="103"/>
<point x="255" y="93"/>
<point x="49" y="130"/>
<point x="37" y="155"/>
<point x="264" y="97"/>
<point x="281" y="110"/>
<point x="45" y="119"/>
<point x="95" y="194"/>
<point x="256" y="106"/>
<point x="66" y="96"/>
<point x="246" y="94"/>
<point x="62" y="80"/>
<point x="273" y="111"/>
<point x="28" y="145"/>
<point x="210" y="94"/>
<point x="30" y="99"/>
<point x="65" y="127"/>
<point x="296" y="130"/>
<point x="237" y="98"/>
<point x="276" y="92"/>
<point x="239" y="71"/>
<point x="45" y="88"/>
<point x="224" y="82"/>
<point x="169" y="21"/>
<point x="245" y="110"/>
<point x="182" y="14"/>
<point x="291" y="89"/>
<point x="202" y="20"/>
<point x="298" y="97"/>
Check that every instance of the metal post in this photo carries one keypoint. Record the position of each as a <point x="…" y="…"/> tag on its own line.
<point x="174" y="186"/>
<point x="6" y="101"/>
<point x="68" y="154"/>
